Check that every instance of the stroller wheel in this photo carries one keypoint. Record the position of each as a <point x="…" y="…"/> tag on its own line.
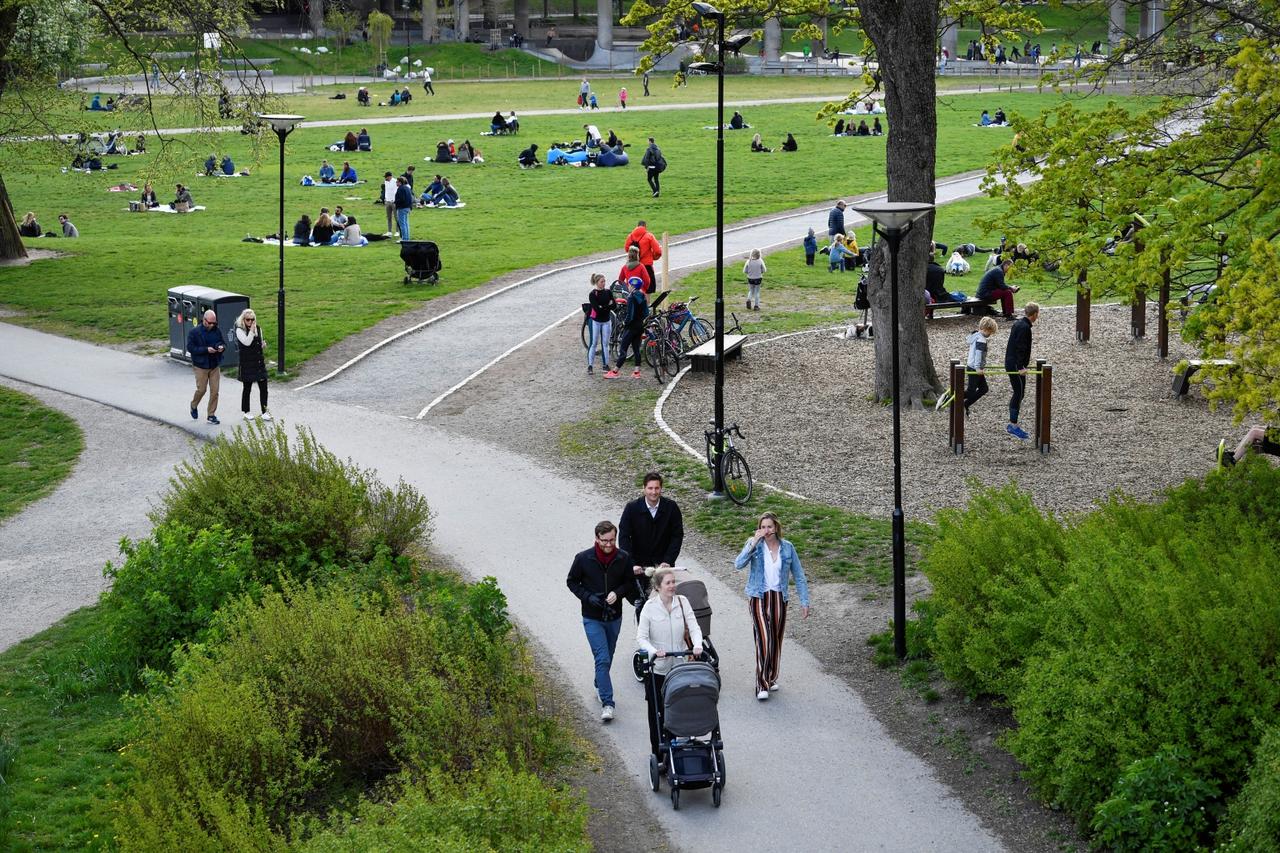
<point x="637" y="664"/>
<point x="654" y="782"/>
<point x="724" y="777"/>
<point x="675" y="799"/>
<point x="715" y="795"/>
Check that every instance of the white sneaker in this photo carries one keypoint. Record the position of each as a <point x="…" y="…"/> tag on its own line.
<point x="248" y="416"/>
<point x="606" y="714"/>
<point x="773" y="688"/>
<point x="762" y="695"/>
<point x="266" y="416"/>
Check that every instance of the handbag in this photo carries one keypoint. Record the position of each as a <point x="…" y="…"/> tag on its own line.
<point x="688" y="641"/>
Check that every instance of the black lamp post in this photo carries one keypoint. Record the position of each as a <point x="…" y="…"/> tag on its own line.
<point x="892" y="219"/>
<point x="706" y="10"/>
<point x="283" y="125"/>
<point x="408" y="18"/>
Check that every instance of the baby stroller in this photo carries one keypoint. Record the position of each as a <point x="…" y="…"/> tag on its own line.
<point x="696" y="592"/>
<point x="688" y="721"/>
<point x="421" y="260"/>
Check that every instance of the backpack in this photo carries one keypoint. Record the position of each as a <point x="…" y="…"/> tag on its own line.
<point x="860" y="300"/>
<point x="661" y="165"/>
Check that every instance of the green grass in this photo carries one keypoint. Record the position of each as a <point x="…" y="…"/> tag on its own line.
<point x="66" y="756"/>
<point x="834" y="544"/>
<point x="38" y="448"/>
<point x="110" y="287"/>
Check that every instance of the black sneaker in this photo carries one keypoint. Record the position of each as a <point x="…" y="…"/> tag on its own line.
<point x="213" y="419"/>
<point x="1226" y="458"/>
<point x="195" y="414"/>
<point x="590" y="369"/>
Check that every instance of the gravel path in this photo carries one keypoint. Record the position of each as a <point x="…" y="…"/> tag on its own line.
<point x="1115" y="423"/>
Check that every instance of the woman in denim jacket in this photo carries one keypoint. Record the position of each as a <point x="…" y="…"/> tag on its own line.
<point x="773" y="563"/>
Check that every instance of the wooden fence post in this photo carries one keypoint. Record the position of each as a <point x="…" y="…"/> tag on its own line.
<point x="957" y="407"/>
<point x="1084" y="302"/>
<point x="1162" y="319"/>
<point x="1044" y="405"/>
<point x="666" y="263"/>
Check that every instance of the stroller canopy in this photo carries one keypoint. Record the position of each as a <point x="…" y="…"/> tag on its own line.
<point x="689" y="699"/>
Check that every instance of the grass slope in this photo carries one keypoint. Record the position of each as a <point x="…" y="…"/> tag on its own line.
<point x="38" y="449"/>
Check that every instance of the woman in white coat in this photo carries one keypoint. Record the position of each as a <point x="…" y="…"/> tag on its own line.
<point x="663" y="623"/>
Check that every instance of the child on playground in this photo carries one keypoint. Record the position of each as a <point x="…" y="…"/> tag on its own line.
<point x="754" y="269"/>
<point x="975" y="368"/>
<point x="1259" y="439"/>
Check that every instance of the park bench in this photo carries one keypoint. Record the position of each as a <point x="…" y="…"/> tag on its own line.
<point x="1182" y="381"/>
<point x="972" y="305"/>
<point x="703" y="358"/>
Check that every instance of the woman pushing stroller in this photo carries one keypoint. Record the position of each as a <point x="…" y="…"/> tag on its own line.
<point x="667" y="624"/>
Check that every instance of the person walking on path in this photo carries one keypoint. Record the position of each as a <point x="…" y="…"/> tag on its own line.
<point x="651" y="530"/>
<point x="835" y="220"/>
<point x="253" y="364"/>
<point x="993" y="286"/>
<point x="654" y="165"/>
<point x="600" y="302"/>
<point x="773" y="563"/>
<point x="584" y="93"/>
<point x="666" y="624"/>
<point x="403" y="203"/>
<point x="426" y="81"/>
<point x="389" y="200"/>
<point x="206" y="347"/>
<point x="754" y="269"/>
<point x="622" y="97"/>
<point x="600" y="577"/>
<point x="650" y="250"/>
<point x="1017" y="355"/>
<point x="645" y="80"/>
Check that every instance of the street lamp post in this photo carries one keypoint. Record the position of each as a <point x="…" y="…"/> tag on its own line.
<point x="408" y="19"/>
<point x="706" y="10"/>
<point x="892" y="220"/>
<point x="283" y="125"/>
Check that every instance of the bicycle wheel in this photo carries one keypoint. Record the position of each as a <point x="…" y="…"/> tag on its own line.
<point x="736" y="476"/>
<point x="671" y="357"/>
<point x="586" y="331"/>
<point x="700" y="331"/>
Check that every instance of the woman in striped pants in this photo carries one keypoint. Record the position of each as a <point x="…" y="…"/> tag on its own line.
<point x="773" y="564"/>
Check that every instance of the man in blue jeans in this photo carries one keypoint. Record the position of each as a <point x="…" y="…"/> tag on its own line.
<point x="404" y="203"/>
<point x="601" y="577"/>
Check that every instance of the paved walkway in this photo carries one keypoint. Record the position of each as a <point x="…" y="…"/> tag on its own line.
<point x="812" y="766"/>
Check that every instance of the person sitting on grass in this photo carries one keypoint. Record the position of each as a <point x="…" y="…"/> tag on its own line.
<point x="350" y="142"/>
<point x="96" y="104"/>
<point x="737" y="122"/>
<point x="326" y="172"/>
<point x="182" y="196"/>
<point x="351" y="234"/>
<point x="68" y="230"/>
<point x="467" y="153"/>
<point x="836" y="252"/>
<point x="325" y="232"/>
<point x="839" y="128"/>
<point x="149" y="199"/>
<point x="29" y="227"/>
<point x="302" y="231"/>
<point x="339" y="218"/>
<point x="528" y="158"/>
<point x="442" y="152"/>
<point x="863" y="130"/>
<point x="395" y="98"/>
<point x="140" y="144"/>
<point x="429" y="194"/>
<point x="210" y="165"/>
<point x="876" y="128"/>
<point x="789" y="144"/>
<point x="228" y="165"/>
<point x="405" y="95"/>
<point x="757" y="146"/>
<point x="1259" y="439"/>
<point x="363" y="142"/>
<point x="497" y="124"/>
<point x="447" y="197"/>
<point x="613" y="141"/>
<point x="985" y="120"/>
<point x="362" y="96"/>
<point x="513" y="123"/>
<point x="348" y="173"/>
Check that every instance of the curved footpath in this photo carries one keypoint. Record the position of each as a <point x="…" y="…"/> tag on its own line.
<point x="813" y="766"/>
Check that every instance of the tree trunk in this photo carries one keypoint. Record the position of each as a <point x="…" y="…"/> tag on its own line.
<point x="317" y="17"/>
<point x="430" y="21"/>
<point x="491" y="14"/>
<point x="11" y="247"/>
<point x="522" y="17"/>
<point x="604" y="24"/>
<point x="462" y="18"/>
<point x="904" y="33"/>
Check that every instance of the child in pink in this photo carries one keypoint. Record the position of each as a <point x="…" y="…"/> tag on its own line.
<point x="622" y="97"/>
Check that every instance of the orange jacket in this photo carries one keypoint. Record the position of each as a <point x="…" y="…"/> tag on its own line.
<point x="650" y="248"/>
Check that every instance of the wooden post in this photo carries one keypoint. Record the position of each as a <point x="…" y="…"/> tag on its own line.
<point x="1162" y="319"/>
<point x="1084" y="303"/>
<point x="957" y="408"/>
<point x="1138" y="314"/>
<point x="1035" y="420"/>
<point x="1044" y="406"/>
<point x="666" y="266"/>
<point x="951" y="385"/>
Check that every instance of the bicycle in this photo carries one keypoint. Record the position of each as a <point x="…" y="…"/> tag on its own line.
<point x="697" y="330"/>
<point x="735" y="474"/>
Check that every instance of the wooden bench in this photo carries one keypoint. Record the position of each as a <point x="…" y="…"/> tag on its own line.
<point x="972" y="305"/>
<point x="1182" y="381"/>
<point x="703" y="358"/>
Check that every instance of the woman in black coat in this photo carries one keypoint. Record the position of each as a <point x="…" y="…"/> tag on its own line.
<point x="253" y="364"/>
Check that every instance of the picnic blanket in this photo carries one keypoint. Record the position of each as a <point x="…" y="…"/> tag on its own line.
<point x="242" y="174"/>
<point x="122" y="188"/>
<point x="164" y="208"/>
<point x="332" y="184"/>
<point x="443" y="206"/>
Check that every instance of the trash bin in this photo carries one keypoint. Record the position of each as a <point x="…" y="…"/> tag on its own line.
<point x="187" y="305"/>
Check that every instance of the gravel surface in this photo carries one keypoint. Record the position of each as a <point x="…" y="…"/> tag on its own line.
<point x="1115" y="422"/>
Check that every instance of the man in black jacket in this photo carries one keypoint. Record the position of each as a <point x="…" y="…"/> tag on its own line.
<point x="651" y="531"/>
<point x="1017" y="356"/>
<point x="601" y="577"/>
<point x="206" y="346"/>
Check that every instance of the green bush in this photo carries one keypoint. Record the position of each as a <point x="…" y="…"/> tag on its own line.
<point x="1253" y="822"/>
<point x="169" y="586"/>
<point x="311" y="696"/>
<point x="1158" y="803"/>
<point x="489" y="810"/>
<point x="299" y="503"/>
<point x="995" y="569"/>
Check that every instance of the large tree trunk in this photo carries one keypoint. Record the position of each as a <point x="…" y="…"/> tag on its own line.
<point x="462" y="18"/>
<point x="604" y="24"/>
<point x="904" y="33"/>
<point x="11" y="246"/>
<point x="522" y="17"/>
<point x="430" y="21"/>
<point x="317" y="17"/>
<point x="491" y="14"/>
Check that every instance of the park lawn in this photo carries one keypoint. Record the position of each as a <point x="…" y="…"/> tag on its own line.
<point x="39" y="447"/>
<point x="64" y="754"/>
<point x="110" y="288"/>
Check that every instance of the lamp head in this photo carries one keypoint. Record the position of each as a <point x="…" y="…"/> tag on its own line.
<point x="706" y="10"/>
<point x="737" y="43"/>
<point x="893" y="217"/>
<point x="704" y="67"/>
<point x="282" y="124"/>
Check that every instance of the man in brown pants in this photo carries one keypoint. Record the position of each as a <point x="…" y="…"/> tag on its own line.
<point x="206" y="346"/>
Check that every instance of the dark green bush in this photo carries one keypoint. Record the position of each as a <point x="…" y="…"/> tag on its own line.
<point x="169" y="586"/>
<point x="1253" y="822"/>
<point x="312" y="695"/>
<point x="299" y="503"/>
<point x="995" y="569"/>
<point x="1158" y="803"/>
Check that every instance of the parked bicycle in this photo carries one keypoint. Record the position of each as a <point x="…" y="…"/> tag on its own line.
<point x="693" y="331"/>
<point x="735" y="474"/>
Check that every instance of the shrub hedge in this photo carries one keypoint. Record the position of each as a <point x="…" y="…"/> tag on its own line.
<point x="1253" y="823"/>
<point x="1123" y="640"/>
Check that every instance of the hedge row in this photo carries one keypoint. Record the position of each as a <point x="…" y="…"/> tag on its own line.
<point x="1136" y="646"/>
